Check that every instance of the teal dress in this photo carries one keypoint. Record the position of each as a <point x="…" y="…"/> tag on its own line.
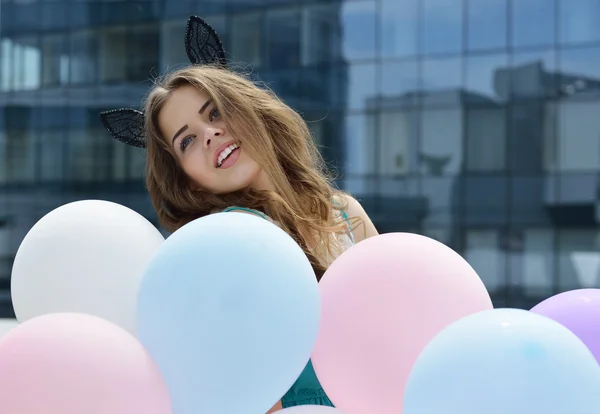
<point x="306" y="390"/>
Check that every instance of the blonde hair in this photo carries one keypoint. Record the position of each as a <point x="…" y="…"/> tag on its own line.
<point x="275" y="136"/>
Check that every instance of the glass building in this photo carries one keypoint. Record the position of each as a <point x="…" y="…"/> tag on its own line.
<point x="476" y="122"/>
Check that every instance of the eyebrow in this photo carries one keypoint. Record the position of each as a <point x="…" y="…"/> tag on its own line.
<point x="183" y="128"/>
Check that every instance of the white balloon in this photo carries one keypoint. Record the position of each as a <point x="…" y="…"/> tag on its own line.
<point x="87" y="257"/>
<point x="6" y="325"/>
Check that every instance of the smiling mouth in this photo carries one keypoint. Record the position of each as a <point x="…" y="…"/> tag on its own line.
<point x="226" y="153"/>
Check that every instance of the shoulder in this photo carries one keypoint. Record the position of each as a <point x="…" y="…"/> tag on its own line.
<point x="365" y="227"/>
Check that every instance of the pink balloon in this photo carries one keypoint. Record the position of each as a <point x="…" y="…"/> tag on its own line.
<point x="68" y="363"/>
<point x="383" y="301"/>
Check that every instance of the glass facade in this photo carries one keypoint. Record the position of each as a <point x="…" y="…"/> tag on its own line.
<point x="475" y="122"/>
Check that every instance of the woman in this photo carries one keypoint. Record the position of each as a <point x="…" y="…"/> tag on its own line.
<point x="217" y="142"/>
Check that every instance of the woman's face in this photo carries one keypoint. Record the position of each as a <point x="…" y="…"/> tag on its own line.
<point x="208" y="154"/>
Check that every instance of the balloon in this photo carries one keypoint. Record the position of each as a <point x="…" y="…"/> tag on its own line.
<point x="68" y="363"/>
<point x="504" y="361"/>
<point x="229" y="308"/>
<point x="87" y="256"/>
<point x="578" y="310"/>
<point x="6" y="325"/>
<point x="310" y="409"/>
<point x="383" y="300"/>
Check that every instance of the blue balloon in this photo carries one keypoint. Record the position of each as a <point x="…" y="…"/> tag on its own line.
<point x="504" y="361"/>
<point x="229" y="309"/>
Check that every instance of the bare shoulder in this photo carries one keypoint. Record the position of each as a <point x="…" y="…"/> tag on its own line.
<point x="365" y="228"/>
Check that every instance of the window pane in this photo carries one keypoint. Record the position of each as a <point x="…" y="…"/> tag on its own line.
<point x="441" y="81"/>
<point x="246" y="39"/>
<point x="482" y="79"/>
<point x="84" y="60"/>
<point x="441" y="141"/>
<point x="441" y="196"/>
<point x="6" y="64"/>
<point x="321" y="34"/>
<point x="397" y="140"/>
<point x="113" y="54"/>
<point x="173" y="55"/>
<point x="533" y="76"/>
<point x="442" y="26"/>
<point x="579" y="21"/>
<point x="578" y="146"/>
<point x="19" y="149"/>
<point x="399" y="83"/>
<point x="399" y="25"/>
<point x="358" y="19"/>
<point x="579" y="70"/>
<point x="486" y="139"/>
<point x="88" y="155"/>
<point x="489" y="261"/>
<point x="579" y="259"/>
<point x="143" y="51"/>
<point x="52" y="151"/>
<point x="361" y="85"/>
<point x="27" y="64"/>
<point x="55" y="60"/>
<point x="487" y="24"/>
<point x="283" y="38"/>
<point x="528" y="31"/>
<point x="527" y="126"/>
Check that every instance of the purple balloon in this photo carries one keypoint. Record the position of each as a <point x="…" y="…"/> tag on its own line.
<point x="579" y="311"/>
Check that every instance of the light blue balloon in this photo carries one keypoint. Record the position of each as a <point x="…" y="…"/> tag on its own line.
<point x="229" y="309"/>
<point x="504" y="361"/>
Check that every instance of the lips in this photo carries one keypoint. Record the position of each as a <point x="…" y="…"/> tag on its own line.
<point x="222" y="152"/>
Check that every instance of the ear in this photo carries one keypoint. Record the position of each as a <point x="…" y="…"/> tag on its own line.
<point x="202" y="44"/>
<point x="125" y="125"/>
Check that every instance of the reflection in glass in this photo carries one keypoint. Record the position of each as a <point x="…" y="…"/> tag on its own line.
<point x="578" y="21"/>
<point x="578" y="143"/>
<point x="399" y="26"/>
<point x="172" y="51"/>
<point x="321" y="34"/>
<point x="533" y="22"/>
<point x="441" y="80"/>
<point x="579" y="259"/>
<point x="440" y="193"/>
<point x="27" y="64"/>
<point x="583" y="65"/>
<point x="84" y="64"/>
<point x="359" y="158"/>
<point x="51" y="150"/>
<point x="113" y="54"/>
<point x="283" y="38"/>
<point x="441" y="141"/>
<point x="481" y="78"/>
<point x="362" y="86"/>
<point x="533" y="75"/>
<point x="358" y="19"/>
<point x="527" y="136"/>
<point x="55" y="60"/>
<point x="6" y="58"/>
<point x="143" y="47"/>
<point x="442" y="26"/>
<point x="484" y="254"/>
<point x="487" y="24"/>
<point x="247" y="39"/>
<point x="399" y="78"/>
<point x="486" y="138"/>
<point x="396" y="138"/>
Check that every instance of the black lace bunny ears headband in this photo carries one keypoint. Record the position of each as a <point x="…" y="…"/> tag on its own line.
<point x="203" y="47"/>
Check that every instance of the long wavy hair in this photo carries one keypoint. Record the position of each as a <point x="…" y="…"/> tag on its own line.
<point x="304" y="202"/>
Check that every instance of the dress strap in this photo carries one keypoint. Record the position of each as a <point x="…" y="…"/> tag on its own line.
<point x="350" y="232"/>
<point x="248" y="210"/>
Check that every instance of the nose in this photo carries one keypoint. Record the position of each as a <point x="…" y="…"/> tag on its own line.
<point x="210" y="133"/>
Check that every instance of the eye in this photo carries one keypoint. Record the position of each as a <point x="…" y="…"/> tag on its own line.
<point x="185" y="142"/>
<point x="213" y="114"/>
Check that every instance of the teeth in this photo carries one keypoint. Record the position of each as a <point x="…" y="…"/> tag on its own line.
<point x="225" y="153"/>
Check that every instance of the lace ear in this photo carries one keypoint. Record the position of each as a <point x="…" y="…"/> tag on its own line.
<point x="202" y="44"/>
<point x="125" y="125"/>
